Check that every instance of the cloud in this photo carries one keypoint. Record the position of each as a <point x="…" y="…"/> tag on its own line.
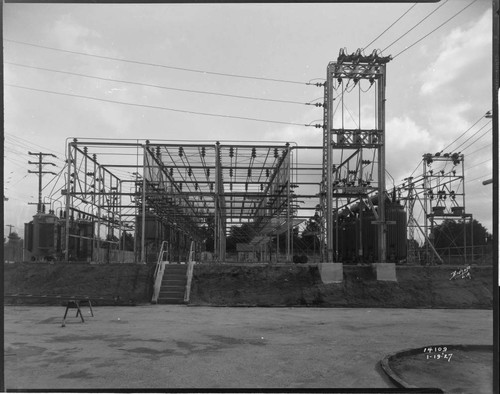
<point x="459" y="53"/>
<point x="406" y="142"/>
<point x="70" y="34"/>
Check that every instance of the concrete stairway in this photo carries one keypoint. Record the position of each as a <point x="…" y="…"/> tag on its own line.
<point x="173" y="285"/>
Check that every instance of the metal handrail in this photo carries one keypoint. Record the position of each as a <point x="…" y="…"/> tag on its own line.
<point x="159" y="270"/>
<point x="189" y="272"/>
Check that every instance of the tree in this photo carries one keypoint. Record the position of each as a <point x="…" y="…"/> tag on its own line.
<point x="127" y="241"/>
<point x="239" y="234"/>
<point x="311" y="234"/>
<point x="451" y="233"/>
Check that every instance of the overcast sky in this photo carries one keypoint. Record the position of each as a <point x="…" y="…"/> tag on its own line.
<point x="437" y="90"/>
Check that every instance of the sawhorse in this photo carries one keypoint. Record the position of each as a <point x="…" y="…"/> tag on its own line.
<point x="75" y="304"/>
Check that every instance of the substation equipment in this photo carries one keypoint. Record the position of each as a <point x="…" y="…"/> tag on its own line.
<point x="437" y="194"/>
<point x="353" y="173"/>
<point x="124" y="198"/>
<point x="184" y="193"/>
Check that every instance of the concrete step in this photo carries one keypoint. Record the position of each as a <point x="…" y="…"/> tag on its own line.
<point x="170" y="300"/>
<point x="176" y="267"/>
<point x="173" y="285"/>
<point x="174" y="281"/>
<point x="169" y="275"/>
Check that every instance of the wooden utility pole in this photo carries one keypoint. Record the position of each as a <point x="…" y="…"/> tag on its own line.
<point x="40" y="173"/>
<point x="10" y="228"/>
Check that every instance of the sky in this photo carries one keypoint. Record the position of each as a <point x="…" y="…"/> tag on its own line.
<point x="438" y="87"/>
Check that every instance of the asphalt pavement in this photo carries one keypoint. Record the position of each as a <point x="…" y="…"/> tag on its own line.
<point x="176" y="346"/>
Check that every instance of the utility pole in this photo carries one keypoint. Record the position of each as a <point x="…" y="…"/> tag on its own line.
<point x="40" y="173"/>
<point x="10" y="228"/>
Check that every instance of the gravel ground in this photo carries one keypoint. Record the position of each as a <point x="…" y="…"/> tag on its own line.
<point x="168" y="346"/>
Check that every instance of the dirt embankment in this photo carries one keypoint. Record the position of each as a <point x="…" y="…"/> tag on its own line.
<point x="254" y="285"/>
<point x="296" y="285"/>
<point x="116" y="284"/>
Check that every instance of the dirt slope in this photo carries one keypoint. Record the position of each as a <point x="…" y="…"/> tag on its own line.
<point x="255" y="285"/>
<point x="417" y="287"/>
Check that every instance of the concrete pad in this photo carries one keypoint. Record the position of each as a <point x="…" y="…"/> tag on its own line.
<point x="172" y="346"/>
<point x="331" y="272"/>
<point x="385" y="271"/>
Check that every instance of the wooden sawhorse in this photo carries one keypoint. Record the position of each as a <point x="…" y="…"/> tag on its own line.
<point x="75" y="304"/>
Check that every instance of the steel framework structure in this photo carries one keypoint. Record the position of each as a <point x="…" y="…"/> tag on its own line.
<point x="437" y="194"/>
<point x="353" y="150"/>
<point x="189" y="187"/>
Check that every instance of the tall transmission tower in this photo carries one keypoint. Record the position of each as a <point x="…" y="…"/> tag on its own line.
<point x="40" y="163"/>
<point x="354" y="150"/>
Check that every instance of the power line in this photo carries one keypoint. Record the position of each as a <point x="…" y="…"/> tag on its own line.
<point x="158" y="86"/>
<point x="481" y="136"/>
<point x="475" y="179"/>
<point x="478" y="164"/>
<point x="477" y="150"/>
<point x="161" y="108"/>
<point x="421" y="21"/>
<point x="397" y="20"/>
<point x="461" y="135"/>
<point x="24" y="143"/>
<point x="159" y="65"/>
<point x="432" y="31"/>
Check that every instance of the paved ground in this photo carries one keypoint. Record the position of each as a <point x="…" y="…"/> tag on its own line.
<point x="167" y="346"/>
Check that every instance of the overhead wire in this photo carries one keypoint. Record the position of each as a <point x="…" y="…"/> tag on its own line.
<point x="477" y="150"/>
<point x="478" y="164"/>
<point x="158" y="86"/>
<point x="476" y="140"/>
<point x="24" y="143"/>
<point x="479" y="177"/>
<point x="396" y="21"/>
<point x="420" y="22"/>
<point x="461" y="135"/>
<point x="158" y="65"/>
<point x="432" y="31"/>
<point x="158" y="107"/>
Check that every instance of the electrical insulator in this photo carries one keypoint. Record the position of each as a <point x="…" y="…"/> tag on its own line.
<point x="246" y="186"/>
<point x="171" y="172"/>
<point x="208" y="172"/>
<point x="267" y="172"/>
<point x="211" y="186"/>
<point x="261" y="187"/>
<point x="196" y="186"/>
<point x="190" y="171"/>
<point x="452" y="195"/>
<point x="181" y="151"/>
<point x="254" y="153"/>
<point x="231" y="151"/>
<point x="231" y="186"/>
<point x="249" y="172"/>
<point x="230" y="172"/>
<point x="203" y="151"/>
<point x="366" y="162"/>
<point x="275" y="153"/>
<point x="339" y="80"/>
<point x="158" y="151"/>
<point x="180" y="186"/>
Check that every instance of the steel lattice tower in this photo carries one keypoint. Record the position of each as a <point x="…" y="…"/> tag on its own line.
<point x="353" y="154"/>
